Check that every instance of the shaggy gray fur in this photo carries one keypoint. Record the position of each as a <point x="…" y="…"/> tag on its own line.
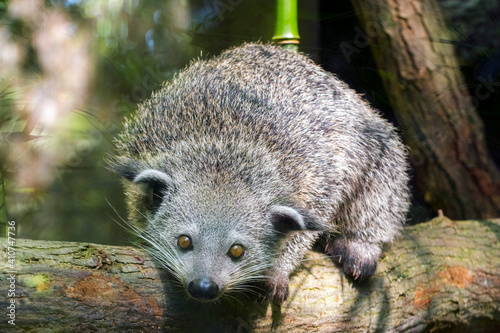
<point x="260" y="147"/>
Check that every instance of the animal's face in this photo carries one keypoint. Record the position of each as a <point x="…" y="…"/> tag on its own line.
<point x="213" y="244"/>
<point x="216" y="238"/>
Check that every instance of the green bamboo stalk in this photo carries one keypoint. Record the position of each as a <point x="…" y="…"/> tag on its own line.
<point x="286" y="33"/>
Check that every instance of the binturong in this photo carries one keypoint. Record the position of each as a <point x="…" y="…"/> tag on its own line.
<point x="235" y="167"/>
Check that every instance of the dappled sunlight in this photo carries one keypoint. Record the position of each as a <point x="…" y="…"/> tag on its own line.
<point x="43" y="96"/>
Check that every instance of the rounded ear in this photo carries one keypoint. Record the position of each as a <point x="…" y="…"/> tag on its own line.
<point x="154" y="185"/>
<point x="286" y="219"/>
<point x="153" y="176"/>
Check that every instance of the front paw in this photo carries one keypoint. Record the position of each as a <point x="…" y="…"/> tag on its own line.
<point x="358" y="259"/>
<point x="276" y="290"/>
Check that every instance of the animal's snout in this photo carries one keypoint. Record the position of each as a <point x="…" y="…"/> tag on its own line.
<point x="203" y="289"/>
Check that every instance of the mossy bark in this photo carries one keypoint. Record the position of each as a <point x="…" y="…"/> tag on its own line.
<point x="440" y="276"/>
<point x="412" y="48"/>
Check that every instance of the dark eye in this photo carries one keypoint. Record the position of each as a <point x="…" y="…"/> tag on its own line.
<point x="184" y="243"/>
<point x="236" y="251"/>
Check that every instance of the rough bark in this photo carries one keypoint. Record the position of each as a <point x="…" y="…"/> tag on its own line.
<point x="440" y="276"/>
<point x="411" y="46"/>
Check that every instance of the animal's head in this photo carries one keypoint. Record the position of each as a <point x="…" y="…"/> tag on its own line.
<point x="216" y="234"/>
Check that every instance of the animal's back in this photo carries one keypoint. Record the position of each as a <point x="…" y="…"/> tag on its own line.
<point x="260" y="89"/>
<point x="321" y="131"/>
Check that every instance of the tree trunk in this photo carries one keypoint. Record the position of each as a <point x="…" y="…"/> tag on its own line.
<point x="410" y="44"/>
<point x="440" y="276"/>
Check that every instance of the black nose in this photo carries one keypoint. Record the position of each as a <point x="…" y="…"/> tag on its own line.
<point x="203" y="289"/>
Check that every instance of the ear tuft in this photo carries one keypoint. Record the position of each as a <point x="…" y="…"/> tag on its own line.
<point x="125" y="167"/>
<point x="287" y="219"/>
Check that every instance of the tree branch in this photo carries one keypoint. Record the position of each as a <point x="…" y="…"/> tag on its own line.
<point x="438" y="276"/>
<point x="422" y="79"/>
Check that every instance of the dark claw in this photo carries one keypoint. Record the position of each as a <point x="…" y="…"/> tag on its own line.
<point x="278" y="290"/>
<point x="358" y="259"/>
